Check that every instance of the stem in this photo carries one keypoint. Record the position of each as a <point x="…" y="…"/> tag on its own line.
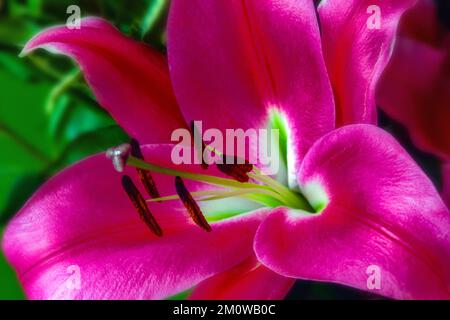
<point x="216" y="195"/>
<point x="237" y="193"/>
<point x="151" y="17"/>
<point x="43" y="66"/>
<point x="135" y="162"/>
<point x="65" y="83"/>
<point x="176" y="197"/>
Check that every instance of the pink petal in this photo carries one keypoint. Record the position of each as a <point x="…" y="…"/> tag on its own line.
<point x="130" y="80"/>
<point x="248" y="281"/>
<point x="415" y="87"/>
<point x="83" y="218"/>
<point x="422" y="24"/>
<point x="233" y="61"/>
<point x="383" y="212"/>
<point x="356" y="55"/>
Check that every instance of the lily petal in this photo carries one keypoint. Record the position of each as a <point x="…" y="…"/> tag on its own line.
<point x="421" y="23"/>
<point x="233" y="61"/>
<point x="248" y="281"/>
<point x="382" y="217"/>
<point x="129" y="79"/>
<point x="83" y="219"/>
<point x="356" y="54"/>
<point x="415" y="87"/>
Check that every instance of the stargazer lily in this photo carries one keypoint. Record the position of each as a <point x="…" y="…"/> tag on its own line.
<point x="415" y="87"/>
<point x="347" y="199"/>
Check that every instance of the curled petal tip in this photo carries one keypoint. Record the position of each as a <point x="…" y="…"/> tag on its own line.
<point x="23" y="53"/>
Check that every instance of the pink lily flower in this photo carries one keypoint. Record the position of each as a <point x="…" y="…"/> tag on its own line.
<point x="352" y="199"/>
<point x="415" y="87"/>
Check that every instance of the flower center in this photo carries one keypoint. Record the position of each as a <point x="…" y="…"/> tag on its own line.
<point x="252" y="185"/>
<point x="244" y="181"/>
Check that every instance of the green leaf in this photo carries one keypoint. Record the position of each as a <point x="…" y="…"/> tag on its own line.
<point x="22" y="187"/>
<point x="16" y="31"/>
<point x="90" y="143"/>
<point x="71" y="116"/>
<point x="36" y="144"/>
<point x="20" y="191"/>
<point x="154" y="11"/>
<point x="26" y="147"/>
<point x="181" y="296"/>
<point x="15" y="66"/>
<point x="10" y="288"/>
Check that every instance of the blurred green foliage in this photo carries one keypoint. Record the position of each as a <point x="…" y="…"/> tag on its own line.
<point x="49" y="118"/>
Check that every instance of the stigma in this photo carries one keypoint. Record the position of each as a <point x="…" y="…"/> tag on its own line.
<point x="119" y="156"/>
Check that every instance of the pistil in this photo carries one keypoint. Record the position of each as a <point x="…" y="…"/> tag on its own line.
<point x="211" y="195"/>
<point x="269" y="186"/>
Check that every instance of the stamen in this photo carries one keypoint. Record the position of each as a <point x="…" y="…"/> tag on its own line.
<point x="190" y="204"/>
<point x="210" y="195"/>
<point x="144" y="175"/>
<point x="293" y="200"/>
<point x="232" y="168"/>
<point x="134" y="162"/>
<point x="136" y="149"/>
<point x="194" y="132"/>
<point x="141" y="206"/>
<point x="213" y="180"/>
<point x="119" y="156"/>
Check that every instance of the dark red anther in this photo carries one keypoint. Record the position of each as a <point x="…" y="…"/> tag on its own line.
<point x="192" y="207"/>
<point x="232" y="168"/>
<point x="144" y="175"/>
<point x="194" y="132"/>
<point x="136" y="149"/>
<point x="141" y="206"/>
